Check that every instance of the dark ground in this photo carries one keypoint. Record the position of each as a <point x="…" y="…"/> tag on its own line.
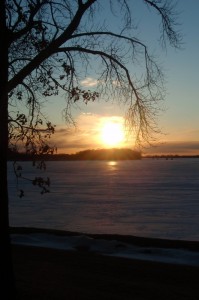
<point x="56" y="274"/>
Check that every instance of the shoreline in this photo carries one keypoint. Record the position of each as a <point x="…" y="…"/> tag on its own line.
<point x="50" y="274"/>
<point x="130" y="239"/>
<point x="44" y="273"/>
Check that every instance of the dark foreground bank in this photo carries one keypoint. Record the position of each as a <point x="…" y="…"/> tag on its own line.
<point x="43" y="273"/>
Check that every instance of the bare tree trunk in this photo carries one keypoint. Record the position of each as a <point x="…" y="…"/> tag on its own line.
<point x="7" y="289"/>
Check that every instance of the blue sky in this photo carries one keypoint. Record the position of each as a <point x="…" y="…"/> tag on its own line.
<point x="179" y="121"/>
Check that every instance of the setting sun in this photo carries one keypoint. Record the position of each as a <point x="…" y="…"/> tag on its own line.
<point x="112" y="134"/>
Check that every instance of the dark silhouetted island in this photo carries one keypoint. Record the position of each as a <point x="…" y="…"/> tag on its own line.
<point x="90" y="154"/>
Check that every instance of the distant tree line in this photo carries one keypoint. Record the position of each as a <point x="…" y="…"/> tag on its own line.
<point x="89" y="154"/>
<point x="171" y="156"/>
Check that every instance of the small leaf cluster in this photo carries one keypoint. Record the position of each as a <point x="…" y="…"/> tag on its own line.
<point x="42" y="183"/>
<point x="76" y="94"/>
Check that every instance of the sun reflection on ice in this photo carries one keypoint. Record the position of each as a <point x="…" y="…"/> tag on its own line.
<point x="112" y="166"/>
<point x="112" y="163"/>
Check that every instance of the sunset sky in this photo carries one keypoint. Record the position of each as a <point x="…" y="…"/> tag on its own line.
<point x="179" y="121"/>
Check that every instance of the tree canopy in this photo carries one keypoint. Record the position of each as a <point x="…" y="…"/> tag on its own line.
<point x="54" y="44"/>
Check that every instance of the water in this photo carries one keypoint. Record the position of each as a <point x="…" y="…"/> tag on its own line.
<point x="150" y="198"/>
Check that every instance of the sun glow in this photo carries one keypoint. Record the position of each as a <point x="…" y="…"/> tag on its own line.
<point x="112" y="134"/>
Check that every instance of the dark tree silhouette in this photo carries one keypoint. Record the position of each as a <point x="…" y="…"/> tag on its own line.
<point x="48" y="46"/>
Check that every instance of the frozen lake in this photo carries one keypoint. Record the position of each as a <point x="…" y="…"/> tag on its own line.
<point x="149" y="198"/>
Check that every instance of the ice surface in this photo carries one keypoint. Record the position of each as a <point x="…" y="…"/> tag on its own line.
<point x="148" y="198"/>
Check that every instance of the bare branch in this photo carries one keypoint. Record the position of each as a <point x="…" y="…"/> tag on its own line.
<point x="50" y="49"/>
<point x="167" y="14"/>
<point x="102" y="54"/>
